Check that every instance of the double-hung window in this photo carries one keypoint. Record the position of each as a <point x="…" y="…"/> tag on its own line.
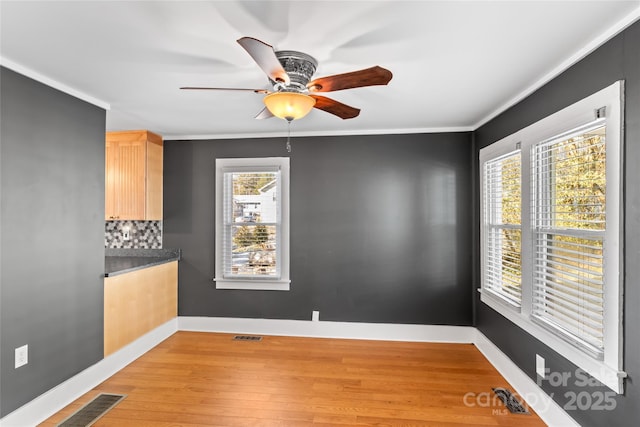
<point x="252" y="223"/>
<point x="551" y="235"/>
<point x="569" y="223"/>
<point x="502" y="214"/>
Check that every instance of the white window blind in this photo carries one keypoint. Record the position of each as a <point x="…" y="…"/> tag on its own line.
<point x="569" y="180"/>
<point x="502" y="229"/>
<point x="251" y="223"/>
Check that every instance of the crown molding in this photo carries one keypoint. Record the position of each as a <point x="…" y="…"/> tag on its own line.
<point x="25" y="71"/>
<point x="591" y="46"/>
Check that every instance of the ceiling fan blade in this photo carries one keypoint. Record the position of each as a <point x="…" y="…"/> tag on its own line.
<point x="224" y="88"/>
<point x="334" y="107"/>
<point x="264" y="114"/>
<point x="368" y="77"/>
<point x="265" y="57"/>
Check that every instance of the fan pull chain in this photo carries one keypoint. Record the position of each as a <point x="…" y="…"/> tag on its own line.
<point x="288" y="136"/>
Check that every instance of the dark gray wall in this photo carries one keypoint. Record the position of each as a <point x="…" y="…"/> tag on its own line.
<point x="617" y="59"/>
<point x="52" y="241"/>
<point x="380" y="228"/>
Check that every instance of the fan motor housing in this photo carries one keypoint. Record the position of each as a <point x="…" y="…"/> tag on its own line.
<point x="299" y="66"/>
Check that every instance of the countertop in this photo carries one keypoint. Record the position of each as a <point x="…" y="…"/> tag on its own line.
<point x="120" y="261"/>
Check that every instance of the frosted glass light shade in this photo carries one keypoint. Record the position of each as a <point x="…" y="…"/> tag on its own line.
<point x="289" y="105"/>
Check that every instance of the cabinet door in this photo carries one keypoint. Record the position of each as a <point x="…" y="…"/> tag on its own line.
<point x="154" y="180"/>
<point x="110" y="208"/>
<point x="130" y="180"/>
<point x="138" y="302"/>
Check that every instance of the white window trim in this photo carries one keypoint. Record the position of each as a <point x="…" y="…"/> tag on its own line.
<point x="283" y="282"/>
<point x="609" y="371"/>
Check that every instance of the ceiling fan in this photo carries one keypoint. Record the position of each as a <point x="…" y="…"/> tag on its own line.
<point x="293" y="93"/>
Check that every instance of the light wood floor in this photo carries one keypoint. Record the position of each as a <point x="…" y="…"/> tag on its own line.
<point x="205" y="379"/>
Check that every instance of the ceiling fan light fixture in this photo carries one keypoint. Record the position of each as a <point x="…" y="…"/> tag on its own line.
<point x="289" y="105"/>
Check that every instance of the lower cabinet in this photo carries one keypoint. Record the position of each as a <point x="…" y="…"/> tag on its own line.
<point x="138" y="302"/>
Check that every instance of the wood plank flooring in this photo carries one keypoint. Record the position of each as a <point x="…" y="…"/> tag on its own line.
<point x="205" y="379"/>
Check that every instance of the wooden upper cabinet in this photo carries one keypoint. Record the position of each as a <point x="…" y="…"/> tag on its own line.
<point x="133" y="178"/>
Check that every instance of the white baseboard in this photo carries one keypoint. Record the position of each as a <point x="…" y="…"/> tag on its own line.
<point x="550" y="412"/>
<point x="322" y="329"/>
<point x="57" y="398"/>
<point x="52" y="401"/>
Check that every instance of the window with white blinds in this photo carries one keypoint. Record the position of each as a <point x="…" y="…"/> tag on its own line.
<point x="251" y="233"/>
<point x="502" y="211"/>
<point x="551" y="237"/>
<point x="252" y="223"/>
<point x="569" y="179"/>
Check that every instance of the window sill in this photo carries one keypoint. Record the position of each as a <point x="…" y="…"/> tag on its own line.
<point x="253" y="285"/>
<point x="499" y="299"/>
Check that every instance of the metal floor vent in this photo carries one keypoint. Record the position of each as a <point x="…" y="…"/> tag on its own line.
<point x="510" y="401"/>
<point x="92" y="411"/>
<point x="247" y="338"/>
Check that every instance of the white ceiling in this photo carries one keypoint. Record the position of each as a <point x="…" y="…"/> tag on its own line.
<point x="455" y="63"/>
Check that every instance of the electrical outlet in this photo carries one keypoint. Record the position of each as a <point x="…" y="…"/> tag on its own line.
<point x="22" y="356"/>
<point x="540" y="368"/>
<point x="315" y="316"/>
<point x="126" y="233"/>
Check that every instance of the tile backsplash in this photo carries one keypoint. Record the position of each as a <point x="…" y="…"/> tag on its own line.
<point x="142" y="234"/>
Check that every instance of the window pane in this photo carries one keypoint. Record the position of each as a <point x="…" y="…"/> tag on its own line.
<point x="253" y="250"/>
<point x="255" y="197"/>
<point x="574" y="190"/>
<point x="502" y="212"/>
<point x="251" y="225"/>
<point x="502" y="185"/>
<point x="568" y="285"/>
<point x="569" y="179"/>
<point x="503" y="265"/>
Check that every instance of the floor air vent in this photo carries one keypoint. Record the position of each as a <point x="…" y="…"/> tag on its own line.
<point x="510" y="401"/>
<point x="92" y="411"/>
<point x="247" y="338"/>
